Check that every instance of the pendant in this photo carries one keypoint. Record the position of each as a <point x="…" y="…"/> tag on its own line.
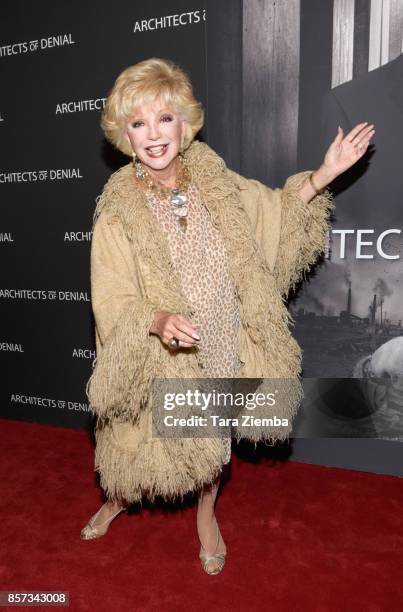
<point x="178" y="202"/>
<point x="181" y="212"/>
<point x="182" y="224"/>
<point x="177" y="199"/>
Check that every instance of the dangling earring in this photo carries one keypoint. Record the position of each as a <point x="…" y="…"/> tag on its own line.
<point x="137" y="166"/>
<point x="139" y="171"/>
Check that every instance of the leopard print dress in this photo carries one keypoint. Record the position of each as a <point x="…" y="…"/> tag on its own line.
<point x="200" y="260"/>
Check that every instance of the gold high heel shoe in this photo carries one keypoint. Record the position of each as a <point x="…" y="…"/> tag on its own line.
<point x="219" y="558"/>
<point x="90" y="531"/>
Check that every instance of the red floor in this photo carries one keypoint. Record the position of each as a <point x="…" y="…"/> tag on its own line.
<point x="299" y="537"/>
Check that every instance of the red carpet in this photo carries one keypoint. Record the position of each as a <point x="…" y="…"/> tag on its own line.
<point x="299" y="537"/>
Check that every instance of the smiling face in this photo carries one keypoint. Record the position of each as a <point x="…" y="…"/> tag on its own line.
<point x="155" y="133"/>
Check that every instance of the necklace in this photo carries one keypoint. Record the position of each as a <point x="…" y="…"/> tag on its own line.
<point x="177" y="197"/>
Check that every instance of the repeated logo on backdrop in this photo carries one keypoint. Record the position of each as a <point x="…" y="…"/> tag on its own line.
<point x="50" y="295"/>
<point x="20" y="183"/>
<point x="40" y="44"/>
<point x="79" y="106"/>
<point x="169" y="21"/>
<point x="31" y="176"/>
<point x="48" y="402"/>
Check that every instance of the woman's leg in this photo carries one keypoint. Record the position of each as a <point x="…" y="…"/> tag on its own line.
<point x="107" y="510"/>
<point x="99" y="522"/>
<point x="206" y="522"/>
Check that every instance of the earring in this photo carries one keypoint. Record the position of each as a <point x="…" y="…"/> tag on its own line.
<point x="134" y="157"/>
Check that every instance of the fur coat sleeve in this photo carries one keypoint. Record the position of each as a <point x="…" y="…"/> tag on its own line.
<point x="291" y="234"/>
<point x="123" y="317"/>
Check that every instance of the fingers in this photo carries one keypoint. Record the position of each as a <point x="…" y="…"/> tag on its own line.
<point x="181" y="328"/>
<point x="184" y="340"/>
<point x="361" y="134"/>
<point x="367" y="138"/>
<point x="339" y="136"/>
<point x="361" y="141"/>
<point x="185" y="332"/>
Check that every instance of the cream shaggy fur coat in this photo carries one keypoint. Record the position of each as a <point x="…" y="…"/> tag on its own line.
<point x="272" y="239"/>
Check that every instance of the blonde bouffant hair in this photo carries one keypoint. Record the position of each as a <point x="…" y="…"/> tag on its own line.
<point x="141" y="84"/>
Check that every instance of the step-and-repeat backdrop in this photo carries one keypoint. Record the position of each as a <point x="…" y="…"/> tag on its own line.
<point x="276" y="79"/>
<point x="58" y="61"/>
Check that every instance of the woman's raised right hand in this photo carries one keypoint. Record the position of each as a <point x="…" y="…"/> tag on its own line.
<point x="167" y="325"/>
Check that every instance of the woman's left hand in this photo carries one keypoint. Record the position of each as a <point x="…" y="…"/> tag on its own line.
<point x="345" y="151"/>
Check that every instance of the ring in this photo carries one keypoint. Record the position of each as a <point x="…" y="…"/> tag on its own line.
<point x="173" y="343"/>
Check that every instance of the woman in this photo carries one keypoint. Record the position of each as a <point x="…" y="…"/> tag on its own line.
<point x="190" y="267"/>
